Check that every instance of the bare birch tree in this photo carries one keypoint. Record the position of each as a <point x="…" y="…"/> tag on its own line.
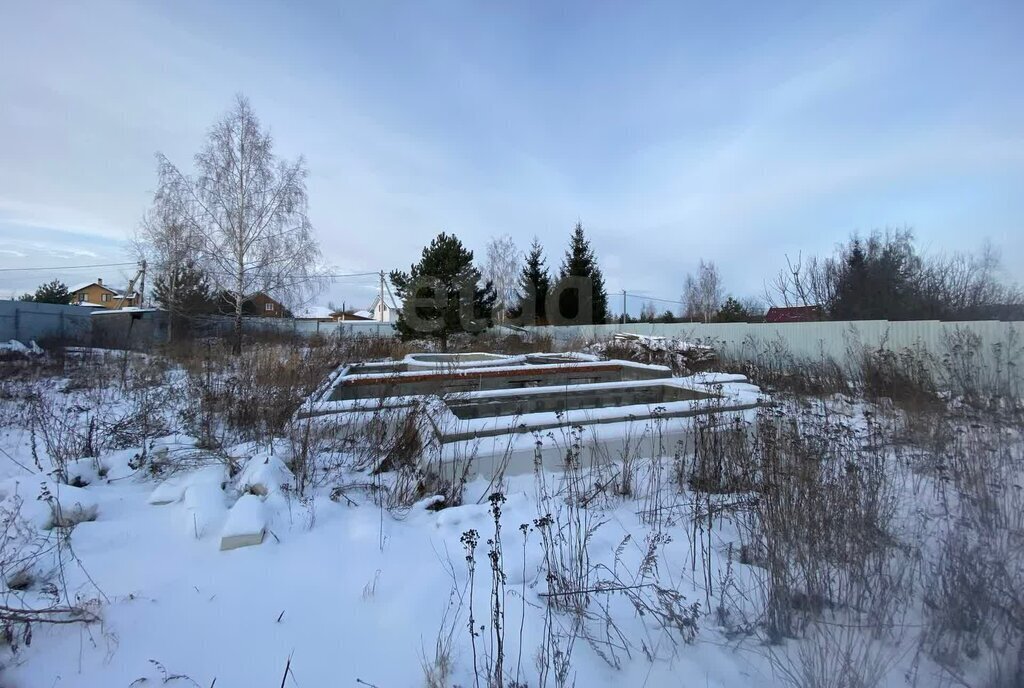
<point x="167" y="244"/>
<point x="247" y="210"/>
<point x="501" y="268"/>
<point x="702" y="293"/>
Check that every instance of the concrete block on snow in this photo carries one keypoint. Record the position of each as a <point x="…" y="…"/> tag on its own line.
<point x="246" y="524"/>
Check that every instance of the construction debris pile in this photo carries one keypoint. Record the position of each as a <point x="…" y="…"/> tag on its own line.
<point x="683" y="357"/>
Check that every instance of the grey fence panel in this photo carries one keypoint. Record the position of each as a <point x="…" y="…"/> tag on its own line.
<point x="353" y="328"/>
<point x="309" y="328"/>
<point x="27" y="321"/>
<point x="224" y="325"/>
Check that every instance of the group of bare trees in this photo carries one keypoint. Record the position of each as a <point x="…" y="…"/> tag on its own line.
<point x="240" y="218"/>
<point x="883" y="276"/>
<point x="886" y="276"/>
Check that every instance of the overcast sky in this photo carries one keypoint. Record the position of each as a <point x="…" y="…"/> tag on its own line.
<point x="734" y="132"/>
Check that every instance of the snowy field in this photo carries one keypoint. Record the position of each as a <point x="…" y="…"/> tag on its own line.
<point x="822" y="540"/>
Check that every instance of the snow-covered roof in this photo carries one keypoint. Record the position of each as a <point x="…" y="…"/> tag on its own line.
<point x="85" y="285"/>
<point x="118" y="293"/>
<point x="126" y="309"/>
<point x="363" y="314"/>
<point x="388" y="301"/>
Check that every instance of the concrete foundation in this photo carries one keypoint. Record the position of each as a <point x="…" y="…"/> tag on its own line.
<point x="509" y="413"/>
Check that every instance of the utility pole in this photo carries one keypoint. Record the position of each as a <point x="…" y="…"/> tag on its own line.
<point x="623" y="306"/>
<point x="140" y="275"/>
<point x="381" y="296"/>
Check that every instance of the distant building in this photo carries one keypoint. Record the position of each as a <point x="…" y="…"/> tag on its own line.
<point x="384" y="311"/>
<point x="258" y="305"/>
<point x="325" y="314"/>
<point x="98" y="294"/>
<point x="794" y="314"/>
<point x="264" y="306"/>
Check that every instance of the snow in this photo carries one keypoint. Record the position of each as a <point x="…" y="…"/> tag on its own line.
<point x="680" y="354"/>
<point x="265" y="474"/>
<point x="351" y="608"/>
<point x="223" y="578"/>
<point x="15" y="347"/>
<point x="126" y="309"/>
<point x="205" y="508"/>
<point x="47" y="504"/>
<point x="173" y="489"/>
<point x="83" y="285"/>
<point x="314" y="313"/>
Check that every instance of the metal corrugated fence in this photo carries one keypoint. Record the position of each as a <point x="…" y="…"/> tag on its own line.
<point x="835" y="340"/>
<point x="28" y="321"/>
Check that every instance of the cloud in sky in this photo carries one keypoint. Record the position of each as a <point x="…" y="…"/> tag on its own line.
<point x="673" y="131"/>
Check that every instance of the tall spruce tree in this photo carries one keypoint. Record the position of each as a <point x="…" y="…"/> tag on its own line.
<point x="534" y="285"/>
<point x="449" y="286"/>
<point x="579" y="262"/>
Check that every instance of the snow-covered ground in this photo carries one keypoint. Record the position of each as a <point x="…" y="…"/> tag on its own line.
<point x="161" y="549"/>
<point x="346" y="591"/>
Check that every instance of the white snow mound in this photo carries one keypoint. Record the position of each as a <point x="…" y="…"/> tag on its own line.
<point x="173" y="489"/>
<point x="264" y="475"/>
<point x="46" y="504"/>
<point x="205" y="508"/>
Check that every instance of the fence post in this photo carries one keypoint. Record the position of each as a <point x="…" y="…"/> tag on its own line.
<point x="17" y="323"/>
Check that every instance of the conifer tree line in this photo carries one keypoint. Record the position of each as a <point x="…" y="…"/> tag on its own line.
<point x="578" y="287"/>
<point x="447" y="293"/>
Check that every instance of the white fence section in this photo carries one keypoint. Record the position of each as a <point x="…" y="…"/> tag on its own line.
<point x="836" y="340"/>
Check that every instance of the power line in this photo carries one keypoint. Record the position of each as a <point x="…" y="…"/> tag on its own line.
<point x="112" y="265"/>
<point x="315" y="275"/>
<point x="652" y="298"/>
<point x="353" y="274"/>
<point x="67" y="267"/>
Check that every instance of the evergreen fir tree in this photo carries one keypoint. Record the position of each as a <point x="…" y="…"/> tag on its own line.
<point x="446" y="276"/>
<point x="53" y="291"/>
<point x="534" y="285"/>
<point x="648" y="313"/>
<point x="184" y="292"/>
<point x="853" y="295"/>
<point x="579" y="262"/>
<point x="732" y="311"/>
